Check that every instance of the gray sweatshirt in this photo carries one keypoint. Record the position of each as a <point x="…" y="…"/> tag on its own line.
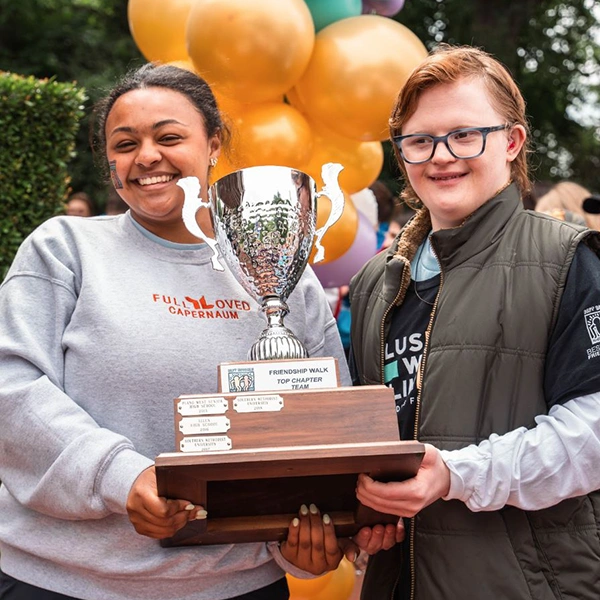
<point x="100" y="329"/>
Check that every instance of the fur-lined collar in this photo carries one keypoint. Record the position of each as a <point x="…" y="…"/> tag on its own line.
<point x="452" y="246"/>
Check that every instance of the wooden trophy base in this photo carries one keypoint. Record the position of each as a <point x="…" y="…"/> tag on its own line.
<point x="266" y="453"/>
<point x="252" y="495"/>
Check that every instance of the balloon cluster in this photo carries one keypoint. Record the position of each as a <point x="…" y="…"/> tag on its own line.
<point x="335" y="585"/>
<point x="301" y="82"/>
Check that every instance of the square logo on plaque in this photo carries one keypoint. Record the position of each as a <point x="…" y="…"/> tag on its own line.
<point x="241" y="380"/>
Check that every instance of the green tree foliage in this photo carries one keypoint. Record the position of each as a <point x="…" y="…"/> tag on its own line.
<point x="38" y="124"/>
<point x="84" y="41"/>
<point x="552" y="49"/>
<point x="549" y="46"/>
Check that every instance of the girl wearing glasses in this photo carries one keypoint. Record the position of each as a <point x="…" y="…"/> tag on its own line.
<point x="485" y="320"/>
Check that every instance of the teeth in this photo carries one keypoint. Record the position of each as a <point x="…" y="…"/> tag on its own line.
<point x="446" y="178"/>
<point x="151" y="180"/>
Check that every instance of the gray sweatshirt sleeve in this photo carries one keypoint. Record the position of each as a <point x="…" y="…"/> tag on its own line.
<point x="321" y="336"/>
<point x="54" y="458"/>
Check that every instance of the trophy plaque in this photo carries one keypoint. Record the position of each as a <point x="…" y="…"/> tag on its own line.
<point x="279" y="431"/>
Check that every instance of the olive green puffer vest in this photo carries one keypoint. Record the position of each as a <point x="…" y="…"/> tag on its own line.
<point x="503" y="273"/>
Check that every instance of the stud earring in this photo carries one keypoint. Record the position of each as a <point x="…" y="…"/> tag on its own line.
<point x="213" y="161"/>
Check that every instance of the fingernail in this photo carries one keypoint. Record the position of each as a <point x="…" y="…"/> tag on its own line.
<point x="202" y="514"/>
<point x="304" y="510"/>
<point x="190" y="507"/>
<point x="313" y="509"/>
<point x="295" y="522"/>
<point x="326" y="519"/>
<point x="352" y="556"/>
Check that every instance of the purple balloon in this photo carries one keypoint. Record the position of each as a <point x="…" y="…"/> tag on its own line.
<point x="385" y="8"/>
<point x="338" y="272"/>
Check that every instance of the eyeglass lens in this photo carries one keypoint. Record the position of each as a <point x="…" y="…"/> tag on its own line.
<point x="464" y="144"/>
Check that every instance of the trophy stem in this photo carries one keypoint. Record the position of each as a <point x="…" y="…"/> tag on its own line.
<point x="276" y="341"/>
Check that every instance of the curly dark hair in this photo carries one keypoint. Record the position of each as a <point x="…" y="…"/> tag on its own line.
<point x="151" y="75"/>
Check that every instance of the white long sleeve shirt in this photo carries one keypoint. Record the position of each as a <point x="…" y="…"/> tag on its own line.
<point x="533" y="468"/>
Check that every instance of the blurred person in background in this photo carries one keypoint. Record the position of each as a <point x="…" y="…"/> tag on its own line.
<point x="564" y="201"/>
<point x="115" y="205"/>
<point x="80" y="204"/>
<point x="400" y="217"/>
<point x="386" y="203"/>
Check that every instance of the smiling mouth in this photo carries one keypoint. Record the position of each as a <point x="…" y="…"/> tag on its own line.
<point x="447" y="177"/>
<point x="152" y="180"/>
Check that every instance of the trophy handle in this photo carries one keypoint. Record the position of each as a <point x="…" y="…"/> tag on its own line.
<point x="191" y="204"/>
<point x="329" y="173"/>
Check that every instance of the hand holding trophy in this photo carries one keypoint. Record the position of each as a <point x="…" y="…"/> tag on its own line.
<point x="262" y="446"/>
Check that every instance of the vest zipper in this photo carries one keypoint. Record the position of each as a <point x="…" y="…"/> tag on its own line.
<point x="382" y="365"/>
<point x="385" y="314"/>
<point x="417" y="415"/>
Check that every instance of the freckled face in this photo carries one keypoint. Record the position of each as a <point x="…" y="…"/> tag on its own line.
<point x="154" y="137"/>
<point x="453" y="188"/>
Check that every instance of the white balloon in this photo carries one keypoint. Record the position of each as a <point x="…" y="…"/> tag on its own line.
<point x="365" y="202"/>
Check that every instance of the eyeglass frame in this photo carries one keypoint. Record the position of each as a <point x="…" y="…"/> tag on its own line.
<point x="485" y="131"/>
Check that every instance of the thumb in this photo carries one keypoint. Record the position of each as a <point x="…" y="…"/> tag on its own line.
<point x="400" y="530"/>
<point x="349" y="549"/>
<point x="175" y="506"/>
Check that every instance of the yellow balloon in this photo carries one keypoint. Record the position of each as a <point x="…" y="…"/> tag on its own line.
<point x="305" y="589"/>
<point x="228" y="107"/>
<point x="355" y="72"/>
<point x="362" y="161"/>
<point x="340" y="586"/>
<point x="188" y="65"/>
<point x="341" y="234"/>
<point x="255" y="50"/>
<point x="272" y="133"/>
<point x="158" y="28"/>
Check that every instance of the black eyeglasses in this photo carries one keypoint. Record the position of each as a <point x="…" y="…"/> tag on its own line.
<point x="468" y="142"/>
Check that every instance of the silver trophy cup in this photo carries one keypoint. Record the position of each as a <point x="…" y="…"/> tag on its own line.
<point x="264" y="220"/>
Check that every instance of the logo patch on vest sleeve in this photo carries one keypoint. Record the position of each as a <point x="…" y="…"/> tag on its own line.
<point x="592" y="323"/>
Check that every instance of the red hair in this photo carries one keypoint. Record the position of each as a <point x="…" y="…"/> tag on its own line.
<point x="447" y="65"/>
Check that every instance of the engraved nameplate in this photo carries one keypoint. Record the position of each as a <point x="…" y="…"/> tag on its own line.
<point x="209" y="443"/>
<point x="204" y="424"/>
<point x="192" y="405"/>
<point x="267" y="376"/>
<point x="263" y="403"/>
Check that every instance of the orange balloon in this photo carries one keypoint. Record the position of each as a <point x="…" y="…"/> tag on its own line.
<point x="340" y="586"/>
<point x="158" y="28"/>
<point x="341" y="234"/>
<point x="362" y="161"/>
<point x="305" y="589"/>
<point x="226" y="164"/>
<point x="255" y="50"/>
<point x="272" y="133"/>
<point x="355" y="72"/>
<point x="292" y="97"/>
